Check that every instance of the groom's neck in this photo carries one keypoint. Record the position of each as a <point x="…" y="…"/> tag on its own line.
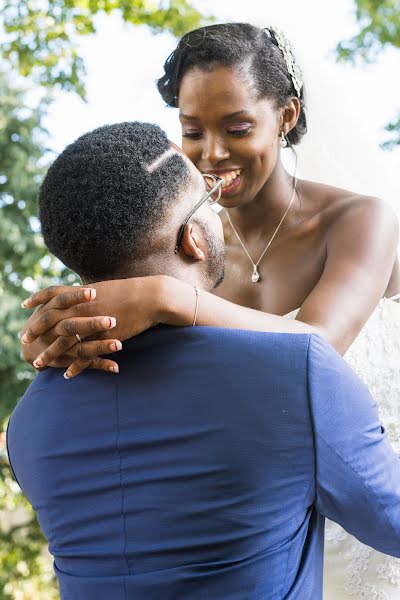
<point x="191" y="274"/>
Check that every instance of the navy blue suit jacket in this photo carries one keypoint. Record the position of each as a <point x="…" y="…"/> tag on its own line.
<point x="204" y="470"/>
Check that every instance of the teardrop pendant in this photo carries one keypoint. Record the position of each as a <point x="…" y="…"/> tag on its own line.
<point x="256" y="275"/>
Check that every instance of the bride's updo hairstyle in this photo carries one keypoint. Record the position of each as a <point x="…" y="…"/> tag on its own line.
<point x="234" y="45"/>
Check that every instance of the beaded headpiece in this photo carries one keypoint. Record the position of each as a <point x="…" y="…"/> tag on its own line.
<point x="286" y="48"/>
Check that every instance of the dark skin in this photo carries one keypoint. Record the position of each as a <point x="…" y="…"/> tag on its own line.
<point x="321" y="217"/>
<point x="291" y="255"/>
<point x="334" y="256"/>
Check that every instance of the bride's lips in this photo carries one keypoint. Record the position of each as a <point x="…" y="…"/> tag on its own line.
<point x="233" y="186"/>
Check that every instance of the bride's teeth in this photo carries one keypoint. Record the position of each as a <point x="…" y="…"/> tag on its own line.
<point x="229" y="177"/>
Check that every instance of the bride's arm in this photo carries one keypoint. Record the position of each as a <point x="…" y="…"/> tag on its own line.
<point x="361" y="251"/>
<point x="137" y="304"/>
<point x="214" y="311"/>
<point x="361" y="255"/>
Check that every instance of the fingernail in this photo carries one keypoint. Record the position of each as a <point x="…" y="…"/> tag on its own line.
<point x="25" y="303"/>
<point x="114" y="369"/>
<point x="87" y="294"/>
<point x="67" y="375"/>
<point x="38" y="362"/>
<point x="24" y="339"/>
<point x="116" y="346"/>
<point x="92" y="293"/>
<point x="109" y="322"/>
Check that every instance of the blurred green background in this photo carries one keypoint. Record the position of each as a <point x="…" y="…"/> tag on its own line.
<point x="40" y="55"/>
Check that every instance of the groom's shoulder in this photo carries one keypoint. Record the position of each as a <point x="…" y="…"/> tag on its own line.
<point x="307" y="353"/>
<point x="234" y="345"/>
<point x="243" y="338"/>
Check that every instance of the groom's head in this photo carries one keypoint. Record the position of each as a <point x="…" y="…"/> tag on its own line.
<point x="111" y="206"/>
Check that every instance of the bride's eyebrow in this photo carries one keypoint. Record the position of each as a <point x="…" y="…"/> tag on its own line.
<point x="237" y="113"/>
<point x="187" y="117"/>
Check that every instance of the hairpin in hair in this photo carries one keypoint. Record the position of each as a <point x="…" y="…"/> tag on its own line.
<point x="286" y="48"/>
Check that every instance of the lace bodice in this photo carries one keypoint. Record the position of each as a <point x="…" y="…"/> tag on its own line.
<point x="352" y="570"/>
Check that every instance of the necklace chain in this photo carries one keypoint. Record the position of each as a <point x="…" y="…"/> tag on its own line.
<point x="256" y="276"/>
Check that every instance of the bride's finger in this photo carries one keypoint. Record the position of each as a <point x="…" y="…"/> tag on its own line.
<point x="84" y="326"/>
<point x="44" y="296"/>
<point x="100" y="364"/>
<point x="50" y="319"/>
<point x="80" y="365"/>
<point x="72" y="297"/>
<point x="86" y="351"/>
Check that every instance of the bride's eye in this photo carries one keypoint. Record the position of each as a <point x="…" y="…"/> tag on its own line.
<point x="191" y="134"/>
<point x="239" y="131"/>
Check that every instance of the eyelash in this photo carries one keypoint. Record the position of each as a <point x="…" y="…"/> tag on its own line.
<point x="192" y="136"/>
<point x="240" y="132"/>
<point x="236" y="133"/>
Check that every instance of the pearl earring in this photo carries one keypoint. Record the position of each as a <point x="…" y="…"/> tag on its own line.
<point x="283" y="141"/>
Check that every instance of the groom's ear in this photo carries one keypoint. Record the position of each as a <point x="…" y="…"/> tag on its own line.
<point x="193" y="242"/>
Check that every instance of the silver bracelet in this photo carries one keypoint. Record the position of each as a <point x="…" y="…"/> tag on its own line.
<point x="196" y="289"/>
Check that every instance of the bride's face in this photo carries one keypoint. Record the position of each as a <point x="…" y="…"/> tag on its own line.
<point x="228" y="131"/>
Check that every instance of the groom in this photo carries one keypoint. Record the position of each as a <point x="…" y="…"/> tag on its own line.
<point x="205" y="469"/>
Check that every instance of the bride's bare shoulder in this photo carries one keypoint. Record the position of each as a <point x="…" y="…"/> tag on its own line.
<point x="339" y="205"/>
<point x="358" y="224"/>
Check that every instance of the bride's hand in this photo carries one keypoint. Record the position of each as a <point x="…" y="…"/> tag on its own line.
<point x="49" y="336"/>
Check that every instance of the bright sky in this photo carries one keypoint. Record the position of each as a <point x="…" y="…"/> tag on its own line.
<point x="123" y="63"/>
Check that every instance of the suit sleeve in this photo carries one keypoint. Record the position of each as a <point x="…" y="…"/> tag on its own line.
<point x="357" y="472"/>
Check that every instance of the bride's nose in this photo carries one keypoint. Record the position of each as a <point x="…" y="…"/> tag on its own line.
<point x="214" y="150"/>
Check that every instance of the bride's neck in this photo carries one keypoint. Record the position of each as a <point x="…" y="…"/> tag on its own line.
<point x="264" y="212"/>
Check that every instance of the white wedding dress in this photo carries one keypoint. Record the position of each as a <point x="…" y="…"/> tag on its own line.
<point x="338" y="149"/>
<point x="353" y="571"/>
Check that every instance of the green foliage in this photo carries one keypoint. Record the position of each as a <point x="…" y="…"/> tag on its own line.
<point x="23" y="256"/>
<point x="394" y="129"/>
<point x="39" y="41"/>
<point x="25" y="571"/>
<point x="21" y="248"/>
<point x="379" y="22"/>
<point x="42" y="36"/>
<point x="25" y="568"/>
<point x="380" y="27"/>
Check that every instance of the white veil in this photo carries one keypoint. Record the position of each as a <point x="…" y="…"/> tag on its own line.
<point x="337" y="148"/>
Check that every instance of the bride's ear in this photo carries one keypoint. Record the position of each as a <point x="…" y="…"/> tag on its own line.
<point x="289" y="115"/>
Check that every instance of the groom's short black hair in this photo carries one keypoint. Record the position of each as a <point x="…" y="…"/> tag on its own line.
<point x="99" y="200"/>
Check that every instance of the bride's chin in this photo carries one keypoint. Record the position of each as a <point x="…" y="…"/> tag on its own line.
<point x="230" y="202"/>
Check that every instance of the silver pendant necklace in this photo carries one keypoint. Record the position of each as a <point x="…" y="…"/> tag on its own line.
<point x="255" y="276"/>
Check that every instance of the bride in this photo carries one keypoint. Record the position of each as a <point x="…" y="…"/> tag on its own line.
<point x="296" y="248"/>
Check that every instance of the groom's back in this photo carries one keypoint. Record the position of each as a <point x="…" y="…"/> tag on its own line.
<point x="188" y="475"/>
